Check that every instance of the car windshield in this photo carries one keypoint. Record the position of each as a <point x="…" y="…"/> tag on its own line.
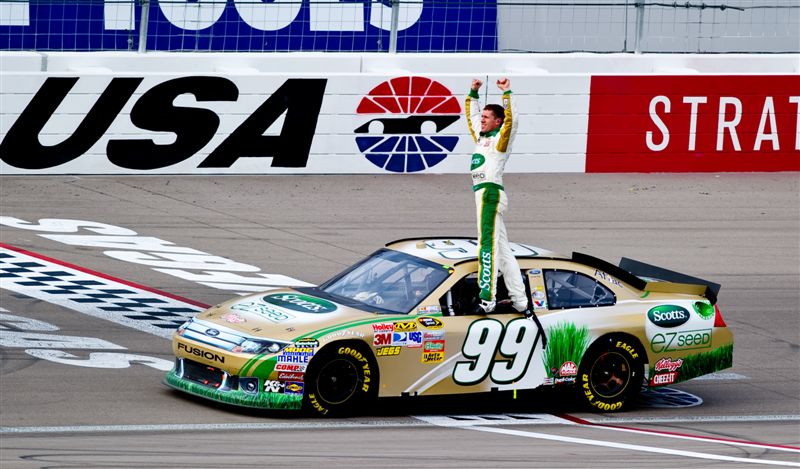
<point x="388" y="280"/>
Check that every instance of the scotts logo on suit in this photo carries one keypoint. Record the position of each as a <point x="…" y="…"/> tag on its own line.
<point x="299" y="99"/>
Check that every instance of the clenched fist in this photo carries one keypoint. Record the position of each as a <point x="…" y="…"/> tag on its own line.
<point x="504" y="84"/>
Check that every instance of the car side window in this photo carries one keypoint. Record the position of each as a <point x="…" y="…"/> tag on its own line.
<point x="570" y="289"/>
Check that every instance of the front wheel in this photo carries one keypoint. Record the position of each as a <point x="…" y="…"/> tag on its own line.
<point x="610" y="374"/>
<point x="339" y="380"/>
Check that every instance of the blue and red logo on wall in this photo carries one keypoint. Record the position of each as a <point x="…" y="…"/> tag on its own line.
<point x="410" y="113"/>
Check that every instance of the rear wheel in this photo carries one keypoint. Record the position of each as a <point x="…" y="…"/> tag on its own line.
<point x="339" y="380"/>
<point x="610" y="374"/>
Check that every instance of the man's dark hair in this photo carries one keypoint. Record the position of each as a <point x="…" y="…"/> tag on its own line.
<point x="497" y="110"/>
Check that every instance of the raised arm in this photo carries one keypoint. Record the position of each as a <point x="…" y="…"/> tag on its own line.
<point x="510" y="116"/>
<point x="472" y="108"/>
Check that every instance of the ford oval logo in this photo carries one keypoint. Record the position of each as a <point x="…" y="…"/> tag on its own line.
<point x="668" y="315"/>
<point x="212" y="332"/>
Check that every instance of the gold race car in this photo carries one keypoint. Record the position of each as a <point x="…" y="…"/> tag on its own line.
<point x="403" y="322"/>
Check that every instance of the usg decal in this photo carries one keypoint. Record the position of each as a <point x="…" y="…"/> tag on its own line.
<point x="301" y="303"/>
<point x="668" y="315"/>
<point x="407" y="114"/>
<point x="299" y="99"/>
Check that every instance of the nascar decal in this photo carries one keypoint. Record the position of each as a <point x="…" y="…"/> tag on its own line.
<point x="92" y="293"/>
<point x="408" y="114"/>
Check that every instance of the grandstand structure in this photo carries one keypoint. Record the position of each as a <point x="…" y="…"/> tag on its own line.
<point x="402" y="26"/>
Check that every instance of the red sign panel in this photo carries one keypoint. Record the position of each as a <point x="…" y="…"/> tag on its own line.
<point x="693" y="124"/>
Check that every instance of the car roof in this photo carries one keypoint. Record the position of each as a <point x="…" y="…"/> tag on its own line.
<point x="454" y="250"/>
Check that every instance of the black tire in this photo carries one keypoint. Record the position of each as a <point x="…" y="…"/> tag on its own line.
<point x="340" y="380"/>
<point x="610" y="374"/>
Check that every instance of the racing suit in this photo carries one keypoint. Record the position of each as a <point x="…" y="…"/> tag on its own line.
<point x="488" y="160"/>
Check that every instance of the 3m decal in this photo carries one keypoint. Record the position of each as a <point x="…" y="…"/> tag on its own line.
<point x="487" y="337"/>
<point x="298" y="99"/>
<point x="406" y="143"/>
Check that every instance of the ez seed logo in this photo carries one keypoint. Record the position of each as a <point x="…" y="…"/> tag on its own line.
<point x="405" y="141"/>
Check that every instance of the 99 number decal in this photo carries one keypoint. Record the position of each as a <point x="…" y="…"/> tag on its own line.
<point x="485" y="338"/>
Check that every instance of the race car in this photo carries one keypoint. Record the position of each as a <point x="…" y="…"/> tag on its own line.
<point x="404" y="322"/>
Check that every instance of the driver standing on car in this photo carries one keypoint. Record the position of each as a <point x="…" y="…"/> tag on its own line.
<point x="497" y="128"/>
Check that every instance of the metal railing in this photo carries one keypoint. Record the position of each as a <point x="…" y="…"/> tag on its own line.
<point x="397" y="26"/>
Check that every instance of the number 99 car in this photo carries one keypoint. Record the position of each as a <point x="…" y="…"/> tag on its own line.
<point x="405" y="322"/>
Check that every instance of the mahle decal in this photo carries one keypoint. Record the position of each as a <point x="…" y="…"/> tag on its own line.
<point x="668" y="315"/>
<point x="301" y="303"/>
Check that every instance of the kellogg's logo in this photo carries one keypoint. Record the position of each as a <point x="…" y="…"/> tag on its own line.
<point x="407" y="142"/>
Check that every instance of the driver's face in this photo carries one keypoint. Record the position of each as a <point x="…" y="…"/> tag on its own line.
<point x="489" y="121"/>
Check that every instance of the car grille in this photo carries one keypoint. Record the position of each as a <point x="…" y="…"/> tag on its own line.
<point x="206" y="375"/>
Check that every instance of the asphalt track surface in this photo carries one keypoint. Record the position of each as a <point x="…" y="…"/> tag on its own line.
<point x="741" y="230"/>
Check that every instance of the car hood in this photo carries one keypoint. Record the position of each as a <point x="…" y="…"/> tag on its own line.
<point x="285" y="315"/>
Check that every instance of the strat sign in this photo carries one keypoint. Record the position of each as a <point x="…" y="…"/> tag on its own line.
<point x="694" y="123"/>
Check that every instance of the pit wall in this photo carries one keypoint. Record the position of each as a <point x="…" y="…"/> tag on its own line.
<point x="170" y="113"/>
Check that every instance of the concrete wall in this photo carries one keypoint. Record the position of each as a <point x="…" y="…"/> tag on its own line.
<point x="110" y="113"/>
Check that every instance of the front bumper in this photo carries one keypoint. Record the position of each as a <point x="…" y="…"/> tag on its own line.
<point x="217" y="385"/>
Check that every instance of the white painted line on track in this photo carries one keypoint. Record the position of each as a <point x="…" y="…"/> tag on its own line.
<point x="680" y="436"/>
<point x="631" y="447"/>
<point x="289" y="425"/>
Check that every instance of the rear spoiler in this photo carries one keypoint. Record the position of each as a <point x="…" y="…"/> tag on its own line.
<point x="630" y="271"/>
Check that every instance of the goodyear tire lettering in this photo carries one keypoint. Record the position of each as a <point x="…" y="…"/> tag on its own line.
<point x="614" y="357"/>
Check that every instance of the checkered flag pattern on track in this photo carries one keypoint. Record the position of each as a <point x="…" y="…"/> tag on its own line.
<point x="116" y="301"/>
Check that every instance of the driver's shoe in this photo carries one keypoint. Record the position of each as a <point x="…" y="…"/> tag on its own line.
<point x="485" y="307"/>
